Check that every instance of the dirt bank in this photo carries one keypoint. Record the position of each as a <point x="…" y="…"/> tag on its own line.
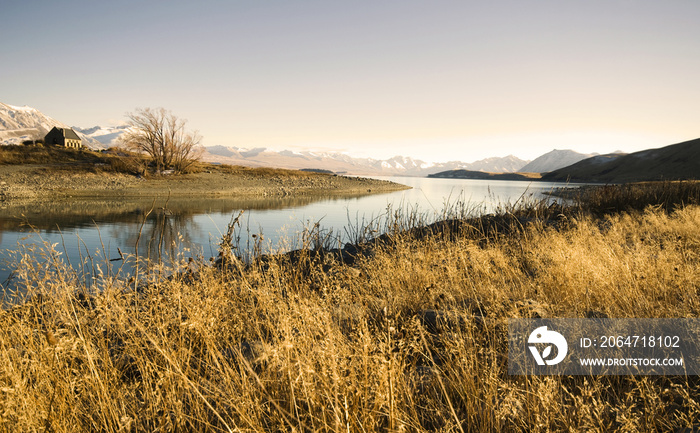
<point x="42" y="182"/>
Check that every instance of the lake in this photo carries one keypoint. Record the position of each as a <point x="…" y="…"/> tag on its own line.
<point x="90" y="233"/>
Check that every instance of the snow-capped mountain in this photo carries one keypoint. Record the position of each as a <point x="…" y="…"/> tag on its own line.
<point x="506" y="164"/>
<point x="106" y="135"/>
<point x="18" y="124"/>
<point x="554" y="160"/>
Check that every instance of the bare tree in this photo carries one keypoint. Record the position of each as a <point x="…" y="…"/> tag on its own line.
<point x="162" y="136"/>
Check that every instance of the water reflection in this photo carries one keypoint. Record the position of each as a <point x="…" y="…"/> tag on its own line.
<point x="66" y="214"/>
<point x="90" y="232"/>
<point x="87" y="231"/>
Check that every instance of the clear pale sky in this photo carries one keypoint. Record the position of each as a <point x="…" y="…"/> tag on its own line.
<point x="438" y="80"/>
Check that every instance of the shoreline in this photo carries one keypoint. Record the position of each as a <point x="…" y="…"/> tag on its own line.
<point x="41" y="182"/>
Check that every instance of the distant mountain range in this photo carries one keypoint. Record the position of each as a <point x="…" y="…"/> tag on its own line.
<point x="18" y="124"/>
<point x="342" y="163"/>
<point x="677" y="161"/>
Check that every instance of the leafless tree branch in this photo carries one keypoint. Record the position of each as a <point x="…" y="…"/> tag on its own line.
<point x="164" y="137"/>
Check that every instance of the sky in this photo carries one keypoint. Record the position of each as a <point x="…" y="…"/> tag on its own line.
<point x="437" y="80"/>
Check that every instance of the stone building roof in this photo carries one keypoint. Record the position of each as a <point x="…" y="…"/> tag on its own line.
<point x="69" y="133"/>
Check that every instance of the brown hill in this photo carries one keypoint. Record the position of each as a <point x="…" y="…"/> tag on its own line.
<point x="674" y="162"/>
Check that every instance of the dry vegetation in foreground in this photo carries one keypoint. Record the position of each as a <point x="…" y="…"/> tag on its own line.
<point x="410" y="337"/>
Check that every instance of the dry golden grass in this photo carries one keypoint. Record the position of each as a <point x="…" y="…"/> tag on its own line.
<point x="12" y="155"/>
<point x="55" y="158"/>
<point x="409" y="338"/>
<point x="119" y="160"/>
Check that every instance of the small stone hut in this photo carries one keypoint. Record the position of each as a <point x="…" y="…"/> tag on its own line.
<point x="64" y="137"/>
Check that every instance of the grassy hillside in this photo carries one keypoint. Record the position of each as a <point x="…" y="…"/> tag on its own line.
<point x="677" y="161"/>
<point x="410" y="337"/>
<point x="117" y="161"/>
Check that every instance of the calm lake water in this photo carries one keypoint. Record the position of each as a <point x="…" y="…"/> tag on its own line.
<point x="90" y="232"/>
